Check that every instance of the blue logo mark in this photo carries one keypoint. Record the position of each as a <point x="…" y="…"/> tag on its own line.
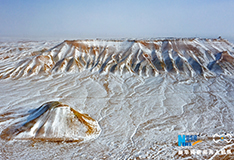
<point x="187" y="140"/>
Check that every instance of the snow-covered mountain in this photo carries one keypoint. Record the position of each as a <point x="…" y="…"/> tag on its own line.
<point x="205" y="57"/>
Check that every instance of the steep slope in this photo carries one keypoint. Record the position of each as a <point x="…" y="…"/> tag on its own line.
<point x="52" y="121"/>
<point x="204" y="57"/>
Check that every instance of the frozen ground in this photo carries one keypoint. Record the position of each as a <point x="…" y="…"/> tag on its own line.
<point x="142" y="93"/>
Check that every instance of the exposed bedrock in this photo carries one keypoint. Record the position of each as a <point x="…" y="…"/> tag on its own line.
<point x="52" y="121"/>
<point x="204" y="57"/>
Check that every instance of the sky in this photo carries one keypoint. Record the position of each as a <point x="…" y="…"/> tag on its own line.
<point x="116" y="18"/>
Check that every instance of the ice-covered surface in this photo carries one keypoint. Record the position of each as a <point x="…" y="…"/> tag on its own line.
<point x="143" y="93"/>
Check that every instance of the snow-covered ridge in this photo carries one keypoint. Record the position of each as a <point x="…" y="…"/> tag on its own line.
<point x="205" y="57"/>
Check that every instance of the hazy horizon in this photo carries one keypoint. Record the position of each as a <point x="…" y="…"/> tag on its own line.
<point x="110" y="19"/>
